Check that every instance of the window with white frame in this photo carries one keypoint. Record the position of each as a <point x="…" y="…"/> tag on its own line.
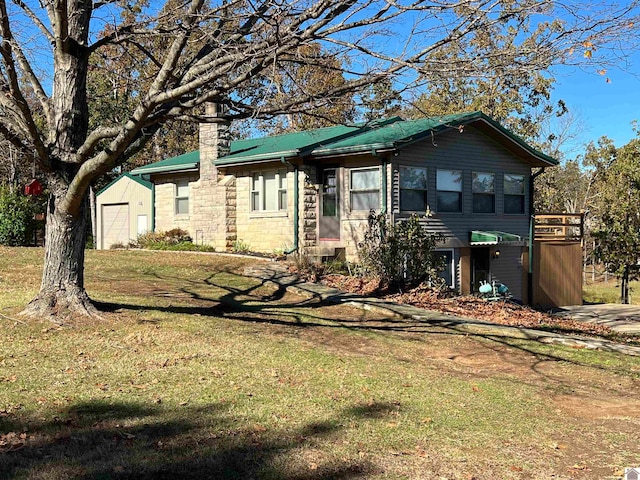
<point x="449" y="191"/>
<point x="182" y="197"/>
<point x="364" y="188"/>
<point x="269" y="191"/>
<point x="484" y="193"/>
<point x="413" y="189"/>
<point x="513" y="194"/>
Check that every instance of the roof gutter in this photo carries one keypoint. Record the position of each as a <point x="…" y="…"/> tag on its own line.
<point x="356" y="149"/>
<point x="252" y="160"/>
<point x="148" y="171"/>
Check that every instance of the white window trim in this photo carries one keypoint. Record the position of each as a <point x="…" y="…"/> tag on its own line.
<point x="261" y="192"/>
<point x="176" y="197"/>
<point x="425" y="190"/>
<point x="352" y="190"/>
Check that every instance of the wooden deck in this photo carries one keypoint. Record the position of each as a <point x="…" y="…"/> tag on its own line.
<point x="559" y="227"/>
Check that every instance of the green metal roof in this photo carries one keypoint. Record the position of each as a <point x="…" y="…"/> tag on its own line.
<point x="392" y="133"/>
<point x="286" y="145"/>
<point x="389" y="135"/>
<point x="396" y="134"/>
<point x="136" y="179"/>
<point x="187" y="161"/>
<point x="492" y="237"/>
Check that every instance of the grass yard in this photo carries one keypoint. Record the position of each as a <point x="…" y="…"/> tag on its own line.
<point x="199" y="372"/>
<point x="609" y="292"/>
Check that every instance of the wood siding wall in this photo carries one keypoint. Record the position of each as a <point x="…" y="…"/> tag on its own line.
<point x="557" y="273"/>
<point x="469" y="151"/>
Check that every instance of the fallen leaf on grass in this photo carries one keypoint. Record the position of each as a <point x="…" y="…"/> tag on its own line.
<point x="12" y="441"/>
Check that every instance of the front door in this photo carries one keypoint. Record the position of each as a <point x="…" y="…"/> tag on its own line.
<point x="329" y="205"/>
<point x="480" y="264"/>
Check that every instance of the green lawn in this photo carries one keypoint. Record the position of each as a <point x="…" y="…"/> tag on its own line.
<point x="197" y="371"/>
<point x="609" y="292"/>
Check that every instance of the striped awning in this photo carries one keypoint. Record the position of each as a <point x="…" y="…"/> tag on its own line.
<point x="492" y="237"/>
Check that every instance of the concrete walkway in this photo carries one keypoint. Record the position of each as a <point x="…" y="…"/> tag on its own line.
<point x="278" y="274"/>
<point x="620" y="318"/>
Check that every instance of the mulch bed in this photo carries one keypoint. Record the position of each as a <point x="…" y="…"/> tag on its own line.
<point x="500" y="312"/>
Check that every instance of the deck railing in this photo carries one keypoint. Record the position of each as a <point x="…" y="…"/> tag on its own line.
<point x="559" y="226"/>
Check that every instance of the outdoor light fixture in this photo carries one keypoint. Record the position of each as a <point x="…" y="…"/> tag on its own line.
<point x="496" y="254"/>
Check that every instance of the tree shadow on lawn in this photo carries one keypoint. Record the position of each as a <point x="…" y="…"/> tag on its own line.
<point x="99" y="440"/>
<point x="250" y="304"/>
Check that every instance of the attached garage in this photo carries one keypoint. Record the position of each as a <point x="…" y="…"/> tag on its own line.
<point x="124" y="211"/>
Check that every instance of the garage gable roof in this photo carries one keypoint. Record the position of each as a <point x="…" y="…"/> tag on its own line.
<point x="136" y="179"/>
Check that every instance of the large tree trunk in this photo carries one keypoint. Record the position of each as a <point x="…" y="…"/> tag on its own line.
<point x="62" y="292"/>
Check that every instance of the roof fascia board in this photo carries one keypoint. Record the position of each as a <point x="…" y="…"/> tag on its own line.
<point x="191" y="167"/>
<point x="357" y="150"/>
<point x="270" y="157"/>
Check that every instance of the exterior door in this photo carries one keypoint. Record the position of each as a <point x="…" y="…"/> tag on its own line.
<point x="481" y="263"/>
<point x="329" y="224"/>
<point x="115" y="225"/>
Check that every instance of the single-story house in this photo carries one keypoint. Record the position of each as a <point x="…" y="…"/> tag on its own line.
<point x="312" y="191"/>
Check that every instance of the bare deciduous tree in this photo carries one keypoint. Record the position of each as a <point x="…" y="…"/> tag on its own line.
<point x="228" y="52"/>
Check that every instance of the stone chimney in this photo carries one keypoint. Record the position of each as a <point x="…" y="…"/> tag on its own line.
<point x="214" y="195"/>
<point x="214" y="139"/>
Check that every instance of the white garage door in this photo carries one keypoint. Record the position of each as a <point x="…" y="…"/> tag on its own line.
<point x="115" y="224"/>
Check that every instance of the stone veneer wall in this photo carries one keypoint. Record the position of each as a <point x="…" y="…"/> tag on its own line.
<point x="265" y="232"/>
<point x="309" y="212"/>
<point x="165" y="194"/>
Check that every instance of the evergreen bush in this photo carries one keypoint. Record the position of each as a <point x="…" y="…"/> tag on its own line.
<point x="401" y="254"/>
<point x="17" y="222"/>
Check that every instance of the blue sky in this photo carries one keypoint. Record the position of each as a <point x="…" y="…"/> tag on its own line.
<point x="605" y="109"/>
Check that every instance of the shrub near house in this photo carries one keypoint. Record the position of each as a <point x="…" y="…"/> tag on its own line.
<point x="17" y="222"/>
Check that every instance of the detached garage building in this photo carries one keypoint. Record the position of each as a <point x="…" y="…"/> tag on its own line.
<point x="124" y="210"/>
